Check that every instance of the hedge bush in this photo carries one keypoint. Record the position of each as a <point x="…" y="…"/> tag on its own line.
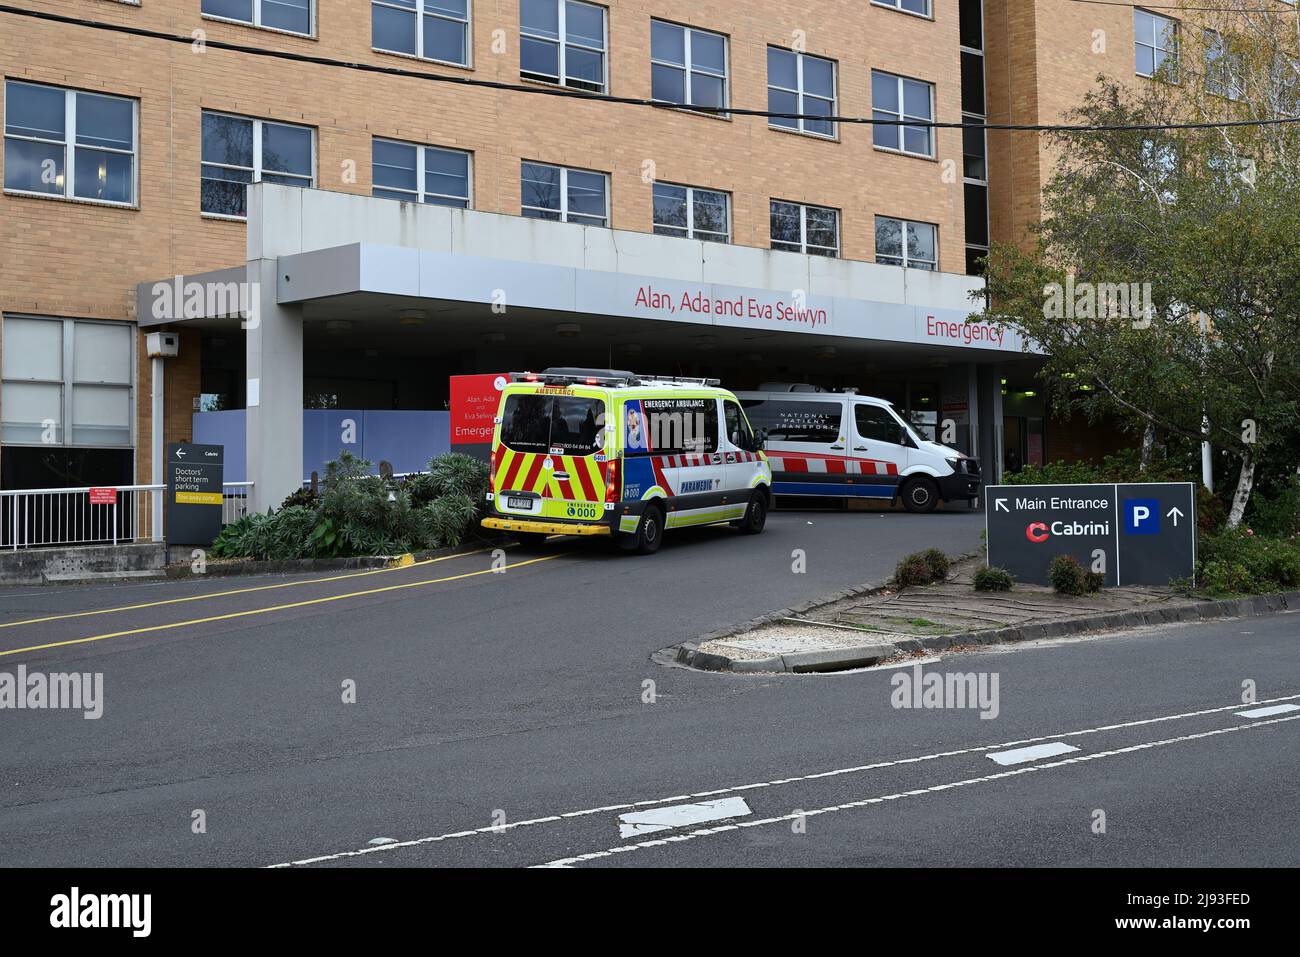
<point x="356" y="513"/>
<point x="921" y="568"/>
<point x="992" y="578"/>
<point x="1241" y="562"/>
<point x="1068" y="577"/>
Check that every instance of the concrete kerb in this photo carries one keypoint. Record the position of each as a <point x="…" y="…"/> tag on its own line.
<point x="688" y="655"/>
<point x="223" y="568"/>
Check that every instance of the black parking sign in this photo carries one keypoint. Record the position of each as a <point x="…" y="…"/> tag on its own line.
<point x="195" y="475"/>
<point x="1135" y="534"/>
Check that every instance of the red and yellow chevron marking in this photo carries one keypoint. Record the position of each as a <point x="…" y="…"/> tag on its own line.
<point x="526" y="472"/>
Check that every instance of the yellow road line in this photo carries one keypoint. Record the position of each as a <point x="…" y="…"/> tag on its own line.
<point x="285" y="607"/>
<point x="234" y="591"/>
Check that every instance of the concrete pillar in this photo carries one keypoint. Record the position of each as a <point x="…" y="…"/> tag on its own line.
<point x="989" y="434"/>
<point x="273" y="425"/>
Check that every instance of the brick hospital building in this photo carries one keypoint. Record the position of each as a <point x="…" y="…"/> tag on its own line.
<point x="386" y="229"/>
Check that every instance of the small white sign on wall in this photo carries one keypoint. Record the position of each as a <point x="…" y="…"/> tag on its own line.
<point x="254" y="393"/>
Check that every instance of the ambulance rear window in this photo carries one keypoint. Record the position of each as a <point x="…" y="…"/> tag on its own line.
<point x="540" y="423"/>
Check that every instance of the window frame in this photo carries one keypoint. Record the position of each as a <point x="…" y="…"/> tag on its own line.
<point x="420" y="14"/>
<point x="1229" y="83"/>
<point x="902" y="116"/>
<point x="420" y="169"/>
<point x="68" y="381"/>
<point x="1175" y="53"/>
<point x="688" y="70"/>
<point x="256" y="22"/>
<point x="803" y="230"/>
<point x="562" y="44"/>
<point x="256" y="169"/>
<point x="564" y="194"/>
<point x="690" y="214"/>
<point x="897" y="7"/>
<point x="69" y="144"/>
<point x="800" y="93"/>
<point x="906" y="259"/>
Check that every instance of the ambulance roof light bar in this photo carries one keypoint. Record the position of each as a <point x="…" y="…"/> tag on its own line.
<point x="605" y="377"/>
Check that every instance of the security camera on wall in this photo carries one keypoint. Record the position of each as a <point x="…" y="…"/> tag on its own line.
<point x="163" y="345"/>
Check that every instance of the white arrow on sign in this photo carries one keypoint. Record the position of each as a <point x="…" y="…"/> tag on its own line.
<point x="1001" y="503"/>
<point x="180" y="453"/>
<point x="1175" y="513"/>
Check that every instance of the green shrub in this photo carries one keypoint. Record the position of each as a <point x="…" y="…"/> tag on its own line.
<point x="1276" y="512"/>
<point x="1240" y="562"/>
<point x="1093" y="582"/>
<point x="937" y="562"/>
<point x="992" y="578"/>
<point x="450" y="516"/>
<point x="273" y="536"/>
<point x="1067" y="576"/>
<point x="921" y="568"/>
<point x="1124" y="466"/>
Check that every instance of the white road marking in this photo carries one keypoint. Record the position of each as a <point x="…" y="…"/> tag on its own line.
<point x="680" y="815"/>
<point x="1021" y="755"/>
<point x="865" y="802"/>
<point x="680" y="798"/>
<point x="1268" y="712"/>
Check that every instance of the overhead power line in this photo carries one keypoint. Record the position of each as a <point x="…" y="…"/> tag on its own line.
<point x="1190" y="9"/>
<point x="566" y="93"/>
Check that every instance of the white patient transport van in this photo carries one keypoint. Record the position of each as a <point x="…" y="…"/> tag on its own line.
<point x="844" y="445"/>
<point x="606" y="452"/>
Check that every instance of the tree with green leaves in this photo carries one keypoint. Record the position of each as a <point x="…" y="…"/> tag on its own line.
<point x="1163" y="282"/>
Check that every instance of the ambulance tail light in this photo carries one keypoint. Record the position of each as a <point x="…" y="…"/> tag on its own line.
<point x="613" y="487"/>
<point x="492" y="468"/>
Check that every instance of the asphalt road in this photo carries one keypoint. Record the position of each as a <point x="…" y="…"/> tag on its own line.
<point x="512" y="718"/>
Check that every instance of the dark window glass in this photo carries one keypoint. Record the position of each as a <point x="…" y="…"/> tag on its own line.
<point x="540" y="423"/>
<point x="794" y="421"/>
<point x="526" y="423"/>
<point x="971" y="15"/>
<point x="977" y="215"/>
<point x="670" y="426"/>
<point x="876" y="424"/>
<point x="738" y="432"/>
<point x="972" y="83"/>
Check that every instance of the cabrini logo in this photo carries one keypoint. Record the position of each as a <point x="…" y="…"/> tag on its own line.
<point x="917" y="690"/>
<point x="77" y="691"/>
<point x="134" y="911"/>
<point x="1041" y="531"/>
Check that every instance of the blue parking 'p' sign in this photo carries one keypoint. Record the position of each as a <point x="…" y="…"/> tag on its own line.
<point x="1141" y="516"/>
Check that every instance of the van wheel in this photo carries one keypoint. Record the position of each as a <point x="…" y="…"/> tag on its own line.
<point x="649" y="534"/>
<point x="920" y="495"/>
<point x="755" y="515"/>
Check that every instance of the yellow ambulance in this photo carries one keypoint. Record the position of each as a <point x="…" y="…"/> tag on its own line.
<point x="606" y="452"/>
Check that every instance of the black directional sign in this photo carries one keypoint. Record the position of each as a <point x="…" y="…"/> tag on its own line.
<point x="194" y="493"/>
<point x="1136" y="534"/>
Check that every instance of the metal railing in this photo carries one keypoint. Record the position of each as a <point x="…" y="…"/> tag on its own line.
<point x="48" y="517"/>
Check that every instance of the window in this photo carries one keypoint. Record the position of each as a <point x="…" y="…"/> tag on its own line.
<point x="795" y="421"/>
<point x="799" y="83"/>
<point x="565" y="195"/>
<point x="68" y="143"/>
<point x="691" y="213"/>
<point x="900" y="242"/>
<point x="562" y="41"/>
<point x="920" y="7"/>
<point x="974" y="150"/>
<point x="1224" y="70"/>
<point x="687" y="66"/>
<point x="876" y="424"/>
<point x="545" y="423"/>
<point x="805" y="229"/>
<point x="66" y="382"/>
<point x="899" y="99"/>
<point x="428" y="29"/>
<point x="738" y="431"/>
<point x="293" y="16"/>
<point x="238" y="151"/>
<point x="420" y="174"/>
<point x="669" y="426"/>
<point x="1155" y="41"/>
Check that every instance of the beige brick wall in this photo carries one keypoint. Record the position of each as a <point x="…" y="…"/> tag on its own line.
<point x="72" y="259"/>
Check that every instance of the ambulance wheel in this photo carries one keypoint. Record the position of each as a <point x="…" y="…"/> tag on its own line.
<point x="755" y="515"/>
<point x="649" y="534"/>
<point x="920" y="495"/>
<point x="531" y="540"/>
